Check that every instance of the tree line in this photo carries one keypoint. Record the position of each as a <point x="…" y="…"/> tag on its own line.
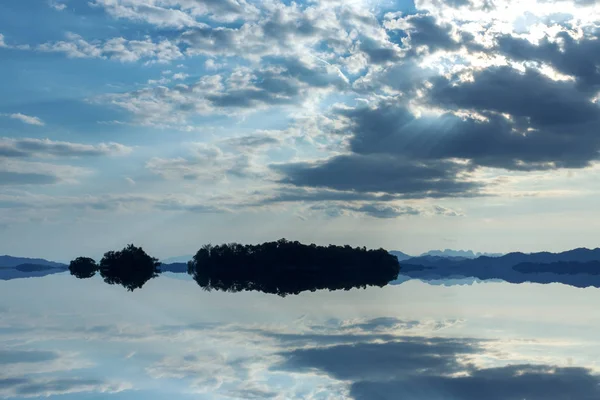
<point x="130" y="267"/>
<point x="282" y="267"/>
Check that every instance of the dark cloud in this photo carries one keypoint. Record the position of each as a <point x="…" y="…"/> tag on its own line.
<point x="550" y="124"/>
<point x="381" y="173"/>
<point x="27" y="178"/>
<point x="251" y="141"/>
<point x="29" y="147"/>
<point x="251" y="393"/>
<point x="375" y="210"/>
<point x="424" y="30"/>
<point x="382" y="361"/>
<point x="390" y="128"/>
<point x="382" y="323"/>
<point x="513" y="382"/>
<point x="24" y="356"/>
<point x="577" y="58"/>
<point x="379" y="52"/>
<point x="528" y="95"/>
<point x="286" y="194"/>
<point x="434" y="369"/>
<point x="319" y="340"/>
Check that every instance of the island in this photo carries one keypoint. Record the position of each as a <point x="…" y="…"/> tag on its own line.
<point x="289" y="267"/>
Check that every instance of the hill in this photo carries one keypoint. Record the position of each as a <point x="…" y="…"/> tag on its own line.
<point x="10" y="261"/>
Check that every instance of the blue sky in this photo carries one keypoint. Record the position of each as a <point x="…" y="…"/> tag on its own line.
<point x="173" y="123"/>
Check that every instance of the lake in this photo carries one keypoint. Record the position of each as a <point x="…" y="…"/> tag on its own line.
<point x="64" y="338"/>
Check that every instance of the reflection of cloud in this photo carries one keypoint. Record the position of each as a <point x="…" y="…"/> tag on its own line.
<point x="383" y="361"/>
<point x="206" y="371"/>
<point x="363" y="358"/>
<point x="428" y="368"/>
<point x="513" y="382"/>
<point x="27" y="387"/>
<point x="30" y="356"/>
<point x="18" y="363"/>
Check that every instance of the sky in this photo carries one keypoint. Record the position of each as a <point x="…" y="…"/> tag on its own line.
<point x="465" y="124"/>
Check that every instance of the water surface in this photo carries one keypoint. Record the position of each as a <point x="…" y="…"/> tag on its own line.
<point x="65" y="338"/>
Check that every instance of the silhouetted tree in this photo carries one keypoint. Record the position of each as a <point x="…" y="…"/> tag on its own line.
<point x="83" y="267"/>
<point x="285" y="267"/>
<point x="130" y="267"/>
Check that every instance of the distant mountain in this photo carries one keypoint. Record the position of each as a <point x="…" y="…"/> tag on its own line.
<point x="401" y="256"/>
<point x="179" y="259"/>
<point x="458" y="253"/>
<point x="174" y="267"/>
<point x="578" y="267"/>
<point x="560" y="268"/>
<point x="9" y="261"/>
<point x="29" y="270"/>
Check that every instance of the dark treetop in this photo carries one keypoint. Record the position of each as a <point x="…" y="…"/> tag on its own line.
<point x="130" y="267"/>
<point x="285" y="267"/>
<point x="83" y="267"/>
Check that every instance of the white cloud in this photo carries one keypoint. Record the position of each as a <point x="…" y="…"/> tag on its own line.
<point x="26" y="119"/>
<point x="211" y="65"/>
<point x="57" y="5"/>
<point x="180" y="76"/>
<point x="30" y="147"/>
<point x="118" y="48"/>
<point x="208" y="163"/>
<point x="46" y="387"/>
<point x="177" y="13"/>
<point x="243" y="90"/>
<point x="17" y="172"/>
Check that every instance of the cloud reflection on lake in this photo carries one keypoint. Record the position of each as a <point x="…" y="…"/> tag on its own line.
<point x="61" y="337"/>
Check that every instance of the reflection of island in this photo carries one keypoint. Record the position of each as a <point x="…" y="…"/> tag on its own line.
<point x="21" y="267"/>
<point x="579" y="267"/>
<point x="281" y="267"/>
<point x="285" y="267"/>
<point x="130" y="267"/>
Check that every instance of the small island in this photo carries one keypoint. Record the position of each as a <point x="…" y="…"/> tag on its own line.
<point x="282" y="267"/>
<point x="290" y="267"/>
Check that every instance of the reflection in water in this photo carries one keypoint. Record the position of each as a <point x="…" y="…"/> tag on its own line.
<point x="281" y="267"/>
<point x="485" y="341"/>
<point x="130" y="267"/>
<point x="285" y="267"/>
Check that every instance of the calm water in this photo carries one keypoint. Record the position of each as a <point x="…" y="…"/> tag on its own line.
<point x="82" y="339"/>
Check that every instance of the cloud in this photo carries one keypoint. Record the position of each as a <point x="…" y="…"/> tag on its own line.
<point x="2" y="42"/>
<point x="382" y="361"/>
<point x="515" y="381"/>
<point x="31" y="387"/>
<point x="573" y="57"/>
<point x="26" y="119"/>
<point x="111" y="203"/>
<point x="29" y="147"/>
<point x="177" y="13"/>
<point x="57" y="5"/>
<point x="435" y="368"/>
<point x="381" y="173"/>
<point x="147" y="11"/>
<point x="208" y="163"/>
<point x="26" y="356"/>
<point x="16" y="172"/>
<point x="282" y="83"/>
<point x="375" y="210"/>
<point x="422" y="30"/>
<point x="119" y="49"/>
<point x="207" y="370"/>
<point x="543" y="101"/>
